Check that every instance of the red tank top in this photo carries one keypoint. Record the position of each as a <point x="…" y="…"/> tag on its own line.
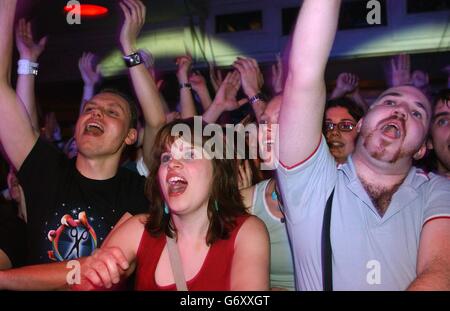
<point x="214" y="274"/>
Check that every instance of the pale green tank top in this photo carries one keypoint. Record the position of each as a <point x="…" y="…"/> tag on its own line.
<point x="281" y="265"/>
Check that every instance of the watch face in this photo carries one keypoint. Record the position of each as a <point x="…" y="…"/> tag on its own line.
<point x="132" y="60"/>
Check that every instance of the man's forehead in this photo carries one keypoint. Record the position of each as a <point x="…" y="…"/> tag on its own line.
<point x="407" y="92"/>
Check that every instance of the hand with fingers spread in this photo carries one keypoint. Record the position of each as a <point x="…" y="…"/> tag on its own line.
<point x="184" y="64"/>
<point x="225" y="99"/>
<point x="277" y="75"/>
<point x="90" y="71"/>
<point x="103" y="269"/>
<point x="226" y="95"/>
<point x="134" y="12"/>
<point x="28" y="48"/>
<point x="245" y="176"/>
<point x="400" y="70"/>
<point x="251" y="77"/>
<point x="216" y="76"/>
<point x="347" y="82"/>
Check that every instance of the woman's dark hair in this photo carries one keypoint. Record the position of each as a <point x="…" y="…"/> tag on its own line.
<point x="355" y="110"/>
<point x="224" y="187"/>
<point x="442" y="95"/>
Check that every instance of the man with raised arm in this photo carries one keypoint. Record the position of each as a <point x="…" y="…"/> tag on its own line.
<point x="71" y="205"/>
<point x="390" y="222"/>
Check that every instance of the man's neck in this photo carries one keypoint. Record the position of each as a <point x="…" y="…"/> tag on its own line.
<point x="380" y="182"/>
<point x="98" y="168"/>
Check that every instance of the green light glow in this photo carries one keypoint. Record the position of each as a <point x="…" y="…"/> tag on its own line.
<point x="166" y="45"/>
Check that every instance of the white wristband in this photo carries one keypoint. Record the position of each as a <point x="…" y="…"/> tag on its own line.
<point x="26" y="67"/>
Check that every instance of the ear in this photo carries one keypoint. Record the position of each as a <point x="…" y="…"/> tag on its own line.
<point x="131" y="137"/>
<point x="359" y="125"/>
<point x="421" y="152"/>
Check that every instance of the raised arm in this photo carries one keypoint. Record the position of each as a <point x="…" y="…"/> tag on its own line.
<point x="187" y="106"/>
<point x="90" y="73"/>
<point x="199" y="86"/>
<point x="252" y="81"/>
<point x="225" y="99"/>
<point x="29" y="51"/>
<point x="304" y="94"/>
<point x="16" y="132"/>
<point x="143" y="83"/>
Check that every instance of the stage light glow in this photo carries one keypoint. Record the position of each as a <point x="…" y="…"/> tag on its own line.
<point x="89" y="10"/>
<point x="166" y="45"/>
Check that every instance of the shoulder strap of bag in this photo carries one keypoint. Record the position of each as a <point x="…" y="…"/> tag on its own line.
<point x="175" y="263"/>
<point x="327" y="267"/>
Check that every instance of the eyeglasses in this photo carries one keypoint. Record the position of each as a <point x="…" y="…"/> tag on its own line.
<point x="344" y="126"/>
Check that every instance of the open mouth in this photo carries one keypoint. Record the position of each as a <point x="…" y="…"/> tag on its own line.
<point x="177" y="185"/>
<point x="392" y="130"/>
<point x="336" y="144"/>
<point x="94" y="129"/>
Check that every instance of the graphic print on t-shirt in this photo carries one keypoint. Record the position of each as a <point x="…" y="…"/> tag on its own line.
<point x="74" y="232"/>
<point x="73" y="239"/>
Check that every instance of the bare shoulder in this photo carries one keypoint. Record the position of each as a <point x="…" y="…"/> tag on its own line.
<point x="253" y="229"/>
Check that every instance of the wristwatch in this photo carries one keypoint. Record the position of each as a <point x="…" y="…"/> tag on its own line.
<point x="256" y="98"/>
<point x="185" y="85"/>
<point x="133" y="59"/>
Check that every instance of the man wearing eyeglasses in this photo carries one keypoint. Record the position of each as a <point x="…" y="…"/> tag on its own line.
<point x="390" y="222"/>
<point x="339" y="127"/>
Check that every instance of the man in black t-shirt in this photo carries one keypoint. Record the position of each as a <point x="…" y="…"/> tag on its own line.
<point x="71" y="206"/>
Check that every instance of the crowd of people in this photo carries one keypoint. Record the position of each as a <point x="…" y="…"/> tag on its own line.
<point x="335" y="192"/>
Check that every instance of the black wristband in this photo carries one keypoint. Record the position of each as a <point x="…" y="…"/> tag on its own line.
<point x="133" y="59"/>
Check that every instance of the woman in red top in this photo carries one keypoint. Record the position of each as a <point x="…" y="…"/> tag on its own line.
<point x="197" y="202"/>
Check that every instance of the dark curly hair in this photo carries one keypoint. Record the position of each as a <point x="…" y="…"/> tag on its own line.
<point x="224" y="189"/>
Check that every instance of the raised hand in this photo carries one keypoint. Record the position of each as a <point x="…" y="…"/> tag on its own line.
<point x="90" y="71"/>
<point x="216" y="76"/>
<point x="400" y="71"/>
<point x="28" y="48"/>
<point x="226" y="95"/>
<point x="184" y="64"/>
<point x="103" y="269"/>
<point x="197" y="81"/>
<point x="251" y="77"/>
<point x="277" y="75"/>
<point x="347" y="82"/>
<point x="134" y="12"/>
